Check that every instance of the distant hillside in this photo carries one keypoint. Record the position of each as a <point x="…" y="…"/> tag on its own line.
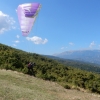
<point x="48" y="69"/>
<point x="92" y="56"/>
<point x="18" y="86"/>
<point x="77" y="64"/>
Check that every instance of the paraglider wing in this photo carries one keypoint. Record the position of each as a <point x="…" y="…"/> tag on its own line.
<point x="27" y="14"/>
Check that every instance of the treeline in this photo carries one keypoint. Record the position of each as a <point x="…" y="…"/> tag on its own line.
<point x="78" y="64"/>
<point x="48" y="69"/>
<point x="82" y="65"/>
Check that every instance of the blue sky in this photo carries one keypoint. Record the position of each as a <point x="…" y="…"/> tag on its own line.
<point x="61" y="25"/>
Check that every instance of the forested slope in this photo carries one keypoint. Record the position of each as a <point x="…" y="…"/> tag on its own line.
<point x="48" y="69"/>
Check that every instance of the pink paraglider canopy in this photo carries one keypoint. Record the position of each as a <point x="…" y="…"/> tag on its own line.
<point x="27" y="14"/>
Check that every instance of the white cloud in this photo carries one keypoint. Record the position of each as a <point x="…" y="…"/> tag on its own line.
<point x="14" y="45"/>
<point x="62" y="48"/>
<point x="37" y="40"/>
<point x="16" y="41"/>
<point x="92" y="44"/>
<point x="16" y="10"/>
<point x="71" y="43"/>
<point x="18" y="36"/>
<point x="6" y="22"/>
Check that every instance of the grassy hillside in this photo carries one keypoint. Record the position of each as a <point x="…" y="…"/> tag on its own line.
<point x="18" y="86"/>
<point x="48" y="69"/>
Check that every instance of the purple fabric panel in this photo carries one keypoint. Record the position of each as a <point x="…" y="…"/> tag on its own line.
<point x="32" y="11"/>
<point x="26" y="16"/>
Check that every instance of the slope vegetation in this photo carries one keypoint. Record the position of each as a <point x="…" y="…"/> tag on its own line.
<point x="48" y="69"/>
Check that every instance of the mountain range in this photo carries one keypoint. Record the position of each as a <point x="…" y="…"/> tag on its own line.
<point x="91" y="56"/>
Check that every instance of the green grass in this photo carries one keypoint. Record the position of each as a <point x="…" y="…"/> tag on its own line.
<point x="18" y="86"/>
